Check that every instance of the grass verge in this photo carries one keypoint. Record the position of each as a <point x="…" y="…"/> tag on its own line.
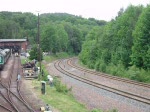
<point x="63" y="102"/>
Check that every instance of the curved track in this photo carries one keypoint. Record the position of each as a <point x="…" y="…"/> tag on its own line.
<point x="126" y="94"/>
<point x="71" y="62"/>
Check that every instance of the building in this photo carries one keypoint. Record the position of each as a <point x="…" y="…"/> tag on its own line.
<point x="14" y="44"/>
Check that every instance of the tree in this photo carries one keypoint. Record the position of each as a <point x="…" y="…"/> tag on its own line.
<point x="141" y="48"/>
<point x="62" y="38"/>
<point x="75" y="38"/>
<point x="49" y="36"/>
<point x="34" y="53"/>
<point x="123" y="39"/>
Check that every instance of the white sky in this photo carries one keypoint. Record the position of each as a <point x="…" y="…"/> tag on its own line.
<point x="99" y="9"/>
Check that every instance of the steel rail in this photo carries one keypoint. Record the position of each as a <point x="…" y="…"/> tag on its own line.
<point x="108" y="76"/>
<point x="19" y="92"/>
<point x="95" y="84"/>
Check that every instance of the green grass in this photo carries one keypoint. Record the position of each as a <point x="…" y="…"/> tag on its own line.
<point x="53" y="57"/>
<point x="63" y="102"/>
<point x="23" y="60"/>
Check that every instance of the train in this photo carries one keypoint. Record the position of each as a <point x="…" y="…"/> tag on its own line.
<point x="4" y="56"/>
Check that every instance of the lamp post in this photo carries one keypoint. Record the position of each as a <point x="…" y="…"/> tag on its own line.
<point x="39" y="42"/>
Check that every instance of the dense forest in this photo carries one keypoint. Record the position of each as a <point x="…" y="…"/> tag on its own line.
<point x="120" y="47"/>
<point x="58" y="31"/>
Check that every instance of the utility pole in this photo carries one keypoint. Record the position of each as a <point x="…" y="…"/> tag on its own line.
<point x="39" y="42"/>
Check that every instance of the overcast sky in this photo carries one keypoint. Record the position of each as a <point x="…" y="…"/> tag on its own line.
<point x="99" y="9"/>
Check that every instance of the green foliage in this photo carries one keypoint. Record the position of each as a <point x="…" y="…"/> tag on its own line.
<point x="122" y="39"/>
<point x="23" y="61"/>
<point x="141" y="48"/>
<point x="89" y="53"/>
<point x="60" y="32"/>
<point x="102" y="67"/>
<point x="17" y="25"/>
<point x="63" y="36"/>
<point x="111" y="48"/>
<point x="117" y="70"/>
<point x="34" y="53"/>
<point x="96" y="110"/>
<point x="113" y="110"/>
<point x="132" y="72"/>
<point x="138" y="74"/>
<point x="60" y="87"/>
<point x="49" y="38"/>
<point x="57" y="17"/>
<point x="59" y="102"/>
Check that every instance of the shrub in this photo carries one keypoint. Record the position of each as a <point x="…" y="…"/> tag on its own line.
<point x="96" y="110"/>
<point x="102" y="67"/>
<point x="138" y="74"/>
<point x="97" y="65"/>
<point x="113" y="110"/>
<point x="60" y="87"/>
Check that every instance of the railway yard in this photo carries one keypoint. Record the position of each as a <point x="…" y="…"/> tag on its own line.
<point x="91" y="88"/>
<point x="15" y="97"/>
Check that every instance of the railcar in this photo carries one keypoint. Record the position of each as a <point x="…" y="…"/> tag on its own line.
<point x="4" y="56"/>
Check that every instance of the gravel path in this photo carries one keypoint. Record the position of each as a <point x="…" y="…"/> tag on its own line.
<point x="94" y="97"/>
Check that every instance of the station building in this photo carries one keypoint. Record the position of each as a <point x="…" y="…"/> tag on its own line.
<point x="14" y="44"/>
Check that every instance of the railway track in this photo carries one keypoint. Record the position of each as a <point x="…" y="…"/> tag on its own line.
<point x="71" y="63"/>
<point x="5" y="108"/>
<point x="6" y="94"/>
<point x="133" y="96"/>
<point x="12" y="94"/>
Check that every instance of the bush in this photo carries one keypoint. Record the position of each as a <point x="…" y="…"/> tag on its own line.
<point x="34" y="53"/>
<point x="113" y="110"/>
<point x="97" y="65"/>
<point x="132" y="73"/>
<point x="103" y="67"/>
<point x="60" y="87"/>
<point x="138" y="74"/>
<point x="96" y="110"/>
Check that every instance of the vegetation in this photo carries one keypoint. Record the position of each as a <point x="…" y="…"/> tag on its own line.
<point x="97" y="110"/>
<point x="63" y="102"/>
<point x="122" y="46"/>
<point x="141" y="48"/>
<point x="17" y="25"/>
<point x="36" y="53"/>
<point x="59" y="32"/>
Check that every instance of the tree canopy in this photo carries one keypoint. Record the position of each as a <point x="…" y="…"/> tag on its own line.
<point x="141" y="48"/>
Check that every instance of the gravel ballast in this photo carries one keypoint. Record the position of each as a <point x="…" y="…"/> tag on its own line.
<point x="94" y="97"/>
